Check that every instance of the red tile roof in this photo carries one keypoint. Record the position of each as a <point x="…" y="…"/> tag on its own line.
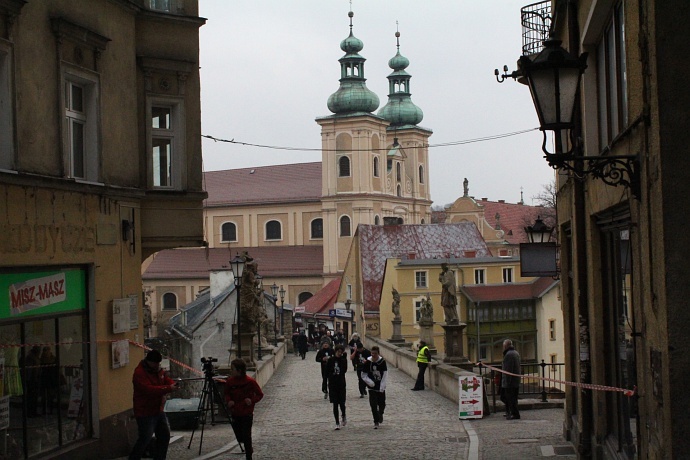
<point x="323" y="300"/>
<point x="265" y="184"/>
<point x="432" y="241"/>
<point x="518" y="291"/>
<point x="514" y="217"/>
<point x="273" y="261"/>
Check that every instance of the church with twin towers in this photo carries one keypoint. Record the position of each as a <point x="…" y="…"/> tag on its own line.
<point x="298" y="220"/>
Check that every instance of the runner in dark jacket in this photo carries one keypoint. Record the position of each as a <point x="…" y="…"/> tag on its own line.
<point x="336" y="366"/>
<point x="241" y="394"/>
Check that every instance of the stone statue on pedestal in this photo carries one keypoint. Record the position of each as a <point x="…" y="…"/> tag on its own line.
<point x="449" y="300"/>
<point x="396" y="304"/>
<point x="426" y="310"/>
<point x="251" y="310"/>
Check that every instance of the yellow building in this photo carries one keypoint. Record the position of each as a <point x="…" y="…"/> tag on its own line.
<point x="99" y="167"/>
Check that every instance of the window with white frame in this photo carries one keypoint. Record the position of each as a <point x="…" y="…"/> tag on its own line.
<point x="420" y="279"/>
<point x="161" y="5"/>
<point x="166" y="137"/>
<point x="81" y="142"/>
<point x="554" y="361"/>
<point x="348" y="291"/>
<point x="345" y="229"/>
<point x="228" y="232"/>
<point x="479" y="276"/>
<point x="552" y="329"/>
<point x="612" y="83"/>
<point x="507" y="274"/>
<point x="317" y="229"/>
<point x="417" y="310"/>
<point x="344" y="166"/>
<point x="169" y="301"/>
<point x="273" y="230"/>
<point x="6" y="109"/>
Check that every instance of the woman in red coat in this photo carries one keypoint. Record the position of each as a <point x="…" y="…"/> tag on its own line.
<point x="241" y="394"/>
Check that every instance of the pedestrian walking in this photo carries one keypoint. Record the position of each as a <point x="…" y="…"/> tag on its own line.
<point x="375" y="375"/>
<point x="241" y="394"/>
<point x="322" y="357"/>
<point x="339" y="338"/>
<point x="295" y="339"/>
<point x="359" y="358"/>
<point x="335" y="369"/>
<point x="326" y="337"/>
<point x="150" y="387"/>
<point x="353" y="341"/>
<point x="511" y="383"/>
<point x="302" y="344"/>
<point x="423" y="359"/>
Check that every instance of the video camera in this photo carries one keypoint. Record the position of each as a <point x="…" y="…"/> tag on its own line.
<point x="208" y="365"/>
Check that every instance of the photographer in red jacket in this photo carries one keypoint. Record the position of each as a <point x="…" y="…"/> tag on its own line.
<point x="241" y="394"/>
<point x="150" y="387"/>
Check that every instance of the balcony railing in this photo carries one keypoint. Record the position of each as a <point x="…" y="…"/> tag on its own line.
<point x="536" y="25"/>
<point x="531" y="387"/>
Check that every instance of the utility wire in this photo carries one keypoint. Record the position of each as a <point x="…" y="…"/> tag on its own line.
<point x="305" y="149"/>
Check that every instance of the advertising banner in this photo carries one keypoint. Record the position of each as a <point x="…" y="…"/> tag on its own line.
<point x="471" y="397"/>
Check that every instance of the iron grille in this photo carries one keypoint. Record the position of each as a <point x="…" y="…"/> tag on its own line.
<point x="536" y="24"/>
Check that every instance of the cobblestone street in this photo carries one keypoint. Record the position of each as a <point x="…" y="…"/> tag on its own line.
<point x="294" y="421"/>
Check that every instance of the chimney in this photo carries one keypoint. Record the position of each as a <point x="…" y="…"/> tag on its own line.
<point x="220" y="280"/>
<point x="501" y="201"/>
<point x="485" y="199"/>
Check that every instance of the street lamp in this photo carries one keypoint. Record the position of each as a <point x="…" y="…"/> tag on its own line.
<point x="539" y="257"/>
<point x="274" y="291"/>
<point x="553" y="77"/>
<point x="237" y="265"/>
<point x="260" y="284"/>
<point x="282" y="302"/>
<point x="539" y="232"/>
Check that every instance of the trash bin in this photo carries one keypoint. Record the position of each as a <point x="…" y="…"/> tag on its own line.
<point x="182" y="413"/>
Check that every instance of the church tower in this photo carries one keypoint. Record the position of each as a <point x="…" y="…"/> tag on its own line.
<point x="367" y="178"/>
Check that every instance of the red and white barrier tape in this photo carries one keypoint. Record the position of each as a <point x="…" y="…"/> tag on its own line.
<point x="588" y="386"/>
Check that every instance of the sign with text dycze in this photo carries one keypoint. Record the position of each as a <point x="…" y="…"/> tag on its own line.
<point x="471" y="396"/>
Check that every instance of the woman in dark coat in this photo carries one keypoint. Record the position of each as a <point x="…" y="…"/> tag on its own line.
<point x="336" y="366"/>
<point x="302" y="344"/>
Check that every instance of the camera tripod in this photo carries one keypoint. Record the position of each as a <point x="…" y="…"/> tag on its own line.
<point x="209" y="397"/>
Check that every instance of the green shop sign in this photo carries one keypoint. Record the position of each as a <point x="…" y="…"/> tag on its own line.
<point x="40" y="293"/>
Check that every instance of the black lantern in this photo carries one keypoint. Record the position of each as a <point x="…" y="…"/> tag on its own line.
<point x="539" y="232"/>
<point x="282" y="302"/>
<point x="348" y="303"/>
<point x="553" y="77"/>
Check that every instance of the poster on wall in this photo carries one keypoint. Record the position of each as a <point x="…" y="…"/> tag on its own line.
<point x="120" y="354"/>
<point x="133" y="311"/>
<point x="121" y="315"/>
<point x="75" y="398"/>
<point x="471" y="397"/>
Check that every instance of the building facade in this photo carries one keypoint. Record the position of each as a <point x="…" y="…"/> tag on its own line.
<point x="100" y="166"/>
<point x="624" y="286"/>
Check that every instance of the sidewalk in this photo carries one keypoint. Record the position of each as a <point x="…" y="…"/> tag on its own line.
<point x="293" y="421"/>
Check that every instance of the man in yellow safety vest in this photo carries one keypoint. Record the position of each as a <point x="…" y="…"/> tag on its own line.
<point x="423" y="358"/>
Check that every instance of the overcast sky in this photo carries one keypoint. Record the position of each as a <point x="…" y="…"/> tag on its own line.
<point x="268" y="67"/>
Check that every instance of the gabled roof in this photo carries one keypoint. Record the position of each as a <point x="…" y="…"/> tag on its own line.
<point x="196" y="312"/>
<point x="430" y="241"/>
<point x="272" y="261"/>
<point x="513" y="218"/>
<point x="518" y="291"/>
<point x="263" y="185"/>
<point x="323" y="300"/>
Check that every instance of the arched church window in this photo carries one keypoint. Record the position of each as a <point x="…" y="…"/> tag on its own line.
<point x="345" y="226"/>
<point x="344" y="166"/>
<point x="169" y="301"/>
<point x="228" y="232"/>
<point x="377" y="220"/>
<point x="421" y="174"/>
<point x="273" y="230"/>
<point x="316" y="229"/>
<point x="399" y="190"/>
<point x="398" y="173"/>
<point x="376" y="166"/>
